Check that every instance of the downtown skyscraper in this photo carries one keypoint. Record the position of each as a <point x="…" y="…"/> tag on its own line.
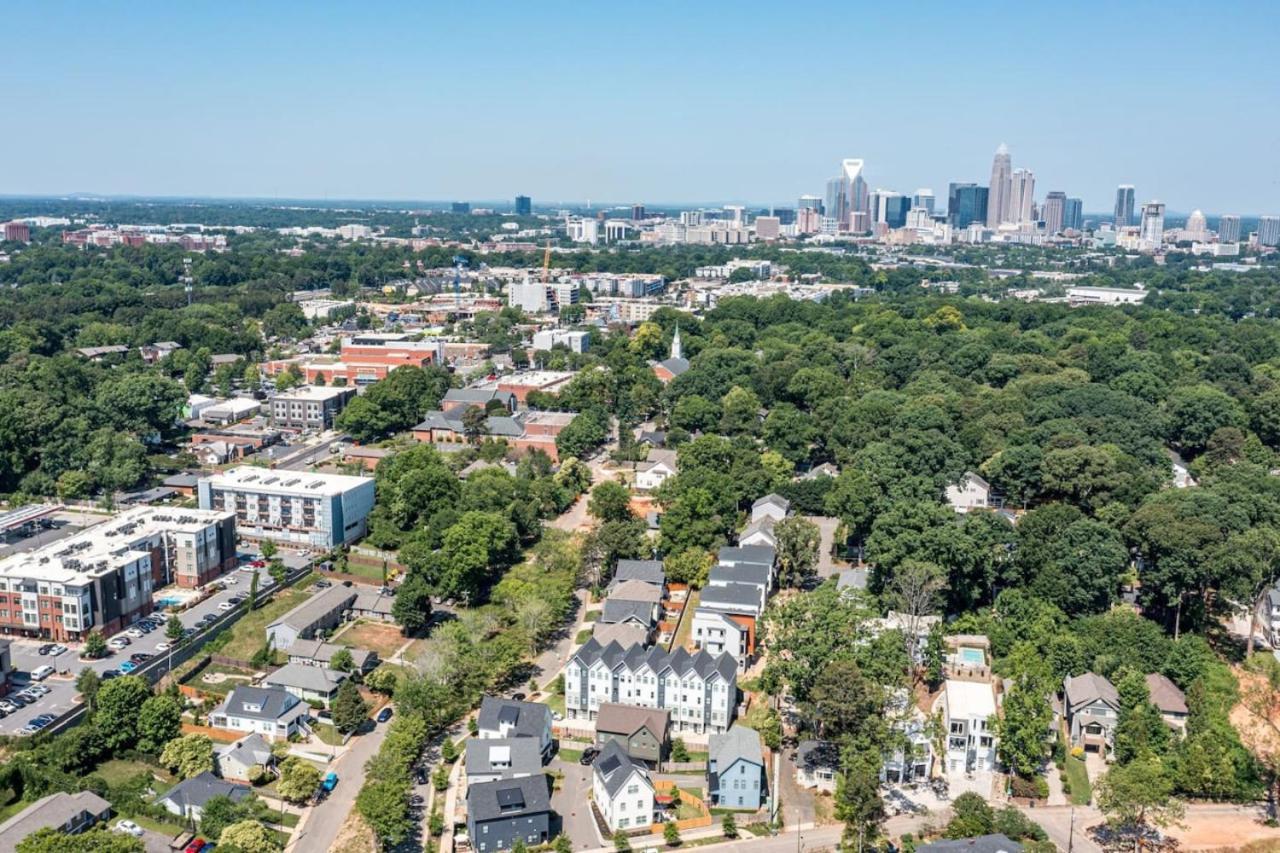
<point x="999" y="202"/>
<point x="1022" y="194"/>
<point x="1124" y="206"/>
<point x="1054" y="212"/>
<point x="1229" y="229"/>
<point x="846" y="194"/>
<point x="967" y="204"/>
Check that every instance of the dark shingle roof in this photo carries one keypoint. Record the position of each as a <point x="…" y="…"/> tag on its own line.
<point x="508" y="798"/>
<point x="526" y="719"/>
<point x="273" y="701"/>
<point x="616" y="610"/>
<point x="762" y="554"/>
<point x="649" y="571"/>
<point x="520" y="754"/>
<point x="198" y="790"/>
<point x="614" y="767"/>
<point x="996" y="843"/>
<point x="681" y="661"/>
<point x="731" y="595"/>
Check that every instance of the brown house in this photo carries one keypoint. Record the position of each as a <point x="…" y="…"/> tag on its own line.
<point x="641" y="732"/>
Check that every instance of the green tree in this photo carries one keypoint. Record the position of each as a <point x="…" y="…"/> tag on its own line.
<point x="341" y="661"/>
<point x="299" y="780"/>
<point x="349" y="709"/>
<point x="729" y="826"/>
<point x="689" y="566"/>
<point x="1136" y="794"/>
<point x="620" y="841"/>
<point x="87" y="684"/>
<point x="97" y="840"/>
<point x="249" y="836"/>
<point x="385" y="807"/>
<point x="971" y="816"/>
<point x="251" y="601"/>
<point x="95" y="646"/>
<point x="120" y="702"/>
<point x="740" y="412"/>
<point x="189" y="755"/>
<point x="221" y="812"/>
<point x="671" y="834"/>
<point x="857" y="797"/>
<point x="798" y="541"/>
<point x="610" y="501"/>
<point x="159" y="721"/>
<point x="173" y="630"/>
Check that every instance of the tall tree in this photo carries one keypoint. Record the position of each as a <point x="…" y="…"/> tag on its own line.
<point x="798" y="542"/>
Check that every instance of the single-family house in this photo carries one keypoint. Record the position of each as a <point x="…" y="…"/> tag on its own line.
<point x="659" y="467"/>
<point x="759" y="533"/>
<point x="772" y="505"/>
<point x="372" y="603"/>
<point x="817" y="763"/>
<point x="763" y="555"/>
<point x="1169" y="700"/>
<point x="509" y="810"/>
<point x="621" y="789"/>
<point x="633" y="601"/>
<point x="623" y="633"/>
<point x="236" y="760"/>
<point x="735" y="769"/>
<point x="641" y="732"/>
<point x="320" y="653"/>
<point x="491" y="759"/>
<point x="69" y="813"/>
<point x="188" y="798"/>
<point x="308" y="683"/>
<point x="505" y="718"/>
<point x="320" y="612"/>
<point x="969" y="493"/>
<point x="969" y="715"/>
<point x="272" y="712"/>
<point x="717" y="632"/>
<point x="1092" y="708"/>
<point x="731" y="597"/>
<point x="648" y="571"/>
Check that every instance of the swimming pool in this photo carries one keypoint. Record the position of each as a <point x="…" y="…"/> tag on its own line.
<point x="971" y="656"/>
<point x="168" y="602"/>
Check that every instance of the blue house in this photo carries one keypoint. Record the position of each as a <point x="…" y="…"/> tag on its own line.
<point x="735" y="770"/>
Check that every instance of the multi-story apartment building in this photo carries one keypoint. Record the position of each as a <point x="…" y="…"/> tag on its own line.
<point x="309" y="407"/>
<point x="292" y="507"/>
<point x="103" y="577"/>
<point x="364" y="359"/>
<point x="700" y="690"/>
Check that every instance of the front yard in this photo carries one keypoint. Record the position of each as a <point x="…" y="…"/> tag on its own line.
<point x="1077" y="776"/>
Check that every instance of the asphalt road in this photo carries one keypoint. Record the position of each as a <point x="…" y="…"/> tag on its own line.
<point x="573" y="804"/>
<point x="320" y="824"/>
<point x="62" y="685"/>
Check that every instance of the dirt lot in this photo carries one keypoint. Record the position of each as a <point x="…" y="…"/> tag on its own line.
<point x="1212" y="831"/>
<point x="376" y="636"/>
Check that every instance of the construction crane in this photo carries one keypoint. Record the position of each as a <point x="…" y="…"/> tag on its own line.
<point x="459" y="261"/>
<point x="546" y="262"/>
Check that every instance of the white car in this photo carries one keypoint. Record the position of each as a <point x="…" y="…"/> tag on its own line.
<point x="136" y="633"/>
<point x="162" y="647"/>
<point x="118" y="642"/>
<point x="57" y="650"/>
<point x="130" y="827"/>
<point x="230" y="579"/>
<point x="40" y="673"/>
<point x="226" y="605"/>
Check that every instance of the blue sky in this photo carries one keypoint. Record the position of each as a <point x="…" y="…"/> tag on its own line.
<point x="656" y="102"/>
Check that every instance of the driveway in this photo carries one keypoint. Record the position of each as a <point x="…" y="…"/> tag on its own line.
<point x="62" y="698"/>
<point x="827" y="529"/>
<point x="573" y="803"/>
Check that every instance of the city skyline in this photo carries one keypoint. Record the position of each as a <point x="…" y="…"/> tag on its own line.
<point x="430" y="102"/>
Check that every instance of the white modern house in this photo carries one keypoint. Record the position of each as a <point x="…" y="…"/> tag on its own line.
<point x="700" y="690"/>
<point x="621" y="789"/>
<point x="969" y="715"/>
<point x="969" y="493"/>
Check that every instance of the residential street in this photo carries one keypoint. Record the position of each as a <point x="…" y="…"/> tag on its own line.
<point x="320" y="823"/>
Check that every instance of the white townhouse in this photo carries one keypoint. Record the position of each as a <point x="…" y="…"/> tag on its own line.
<point x="700" y="690"/>
<point x="621" y="790"/>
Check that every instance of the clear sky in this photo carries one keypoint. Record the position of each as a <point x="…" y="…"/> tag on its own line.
<point x="655" y="101"/>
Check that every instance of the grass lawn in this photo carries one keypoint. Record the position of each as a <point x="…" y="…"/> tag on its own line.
<point x="583" y="636"/>
<point x="591" y="616"/>
<point x="556" y="703"/>
<point x="569" y="754"/>
<point x="117" y="770"/>
<point x="368" y="571"/>
<point x="685" y="631"/>
<point x="163" y="827"/>
<point x="1078" y="777"/>
<point x="380" y="637"/>
<point x="327" y="734"/>
<point x="687" y="810"/>
<point x="248" y="634"/>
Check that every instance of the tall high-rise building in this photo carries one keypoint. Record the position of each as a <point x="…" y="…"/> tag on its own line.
<point x="1152" y="231"/>
<point x="637" y="212"/>
<point x="1124" y="206"/>
<point x="998" y="198"/>
<point x="524" y="205"/>
<point x="1022" y="194"/>
<point x="786" y="215"/>
<point x="1269" y="231"/>
<point x="846" y="193"/>
<point x="461" y="207"/>
<point x="1229" y="229"/>
<point x="810" y="202"/>
<point x="1197" y="228"/>
<point x="967" y="204"/>
<point x="895" y="207"/>
<point x="923" y="198"/>
<point x="1073" y="214"/>
<point x="1054" y="212"/>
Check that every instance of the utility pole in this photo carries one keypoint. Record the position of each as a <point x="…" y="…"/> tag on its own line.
<point x="1071" y="830"/>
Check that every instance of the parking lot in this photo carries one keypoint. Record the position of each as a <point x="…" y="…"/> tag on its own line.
<point x="61" y="686"/>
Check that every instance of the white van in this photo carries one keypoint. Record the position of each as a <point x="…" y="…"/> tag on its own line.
<point x="40" y="673"/>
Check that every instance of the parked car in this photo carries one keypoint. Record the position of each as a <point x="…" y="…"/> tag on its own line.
<point x="110" y="674"/>
<point x="136" y="633"/>
<point x="163" y="647"/>
<point x="120" y="642"/>
<point x="330" y="782"/>
<point x="196" y="845"/>
<point x="384" y="715"/>
<point x="38" y="689"/>
<point x="322" y="584"/>
<point x="45" y="649"/>
<point x="140" y="657"/>
<point x="259" y="564"/>
<point x="227" y="605"/>
<point x="19" y="699"/>
<point x="58" y="649"/>
<point x="40" y="673"/>
<point x="8" y="707"/>
<point x="128" y="667"/>
<point x="230" y="580"/>
<point x="128" y="827"/>
<point x="588" y="756"/>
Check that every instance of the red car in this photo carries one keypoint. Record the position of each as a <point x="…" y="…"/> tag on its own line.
<point x="258" y="564"/>
<point x="196" y="845"/>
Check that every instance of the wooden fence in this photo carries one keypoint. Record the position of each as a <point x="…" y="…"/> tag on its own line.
<point x="666" y="785"/>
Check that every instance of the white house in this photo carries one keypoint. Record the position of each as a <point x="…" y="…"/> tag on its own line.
<point x="914" y="758"/>
<point x="308" y="683"/>
<point x="970" y="493"/>
<point x="510" y="718"/>
<point x="270" y="711"/>
<point x="719" y="633"/>
<point x="235" y="760"/>
<point x="770" y="506"/>
<point x="969" y="715"/>
<point x="759" y="533"/>
<point x="660" y="466"/>
<point x="700" y="690"/>
<point x="621" y="789"/>
<point x="817" y="763"/>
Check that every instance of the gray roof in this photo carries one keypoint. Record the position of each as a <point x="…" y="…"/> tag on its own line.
<point x="274" y="701"/>
<point x="477" y="396"/>
<point x="1081" y="690"/>
<point x="322" y="652"/>
<point x="182" y="481"/>
<point x="509" y="798"/>
<point x="814" y="755"/>
<point x="681" y="661"/>
<point x="623" y="633"/>
<point x="249" y="750"/>
<point x="631" y="590"/>
<point x="371" y="600"/>
<point x="675" y="365"/>
<point x="738" y="744"/>
<point x="629" y="719"/>
<point x="1165" y="695"/>
<point x="53" y="811"/>
<point x="616" y="610"/>
<point x="995" y="843"/>
<point x="762" y="554"/>
<point x="753" y="574"/>
<point x="528" y="719"/>
<point x="649" y="571"/>
<point x="659" y="457"/>
<point x="199" y="790"/>
<point x="764" y="524"/>
<point x="614" y="767"/>
<point x="522" y="754"/>
<point x="316" y="679"/>
<point x="852" y="579"/>
<point x="316" y="608"/>
<point x="731" y="595"/>
<point x="775" y="499"/>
